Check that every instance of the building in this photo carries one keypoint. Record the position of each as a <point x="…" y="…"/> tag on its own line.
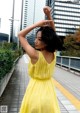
<point x="25" y="7"/>
<point x="66" y="15"/>
<point x="3" y="35"/>
<point x="32" y="13"/>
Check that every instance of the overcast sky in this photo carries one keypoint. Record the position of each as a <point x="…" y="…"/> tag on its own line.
<point x="6" y="12"/>
<point x="5" y="8"/>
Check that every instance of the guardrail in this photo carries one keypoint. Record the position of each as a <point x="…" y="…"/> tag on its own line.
<point x="69" y="62"/>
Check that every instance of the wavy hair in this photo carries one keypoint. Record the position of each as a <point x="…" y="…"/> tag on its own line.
<point x="50" y="38"/>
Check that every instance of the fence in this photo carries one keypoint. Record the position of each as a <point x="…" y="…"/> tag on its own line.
<point x="69" y="62"/>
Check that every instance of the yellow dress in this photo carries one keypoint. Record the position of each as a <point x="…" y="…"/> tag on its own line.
<point x="40" y="95"/>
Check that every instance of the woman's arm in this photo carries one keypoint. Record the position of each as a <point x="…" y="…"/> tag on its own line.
<point x="47" y="11"/>
<point x="24" y="43"/>
<point x="33" y="54"/>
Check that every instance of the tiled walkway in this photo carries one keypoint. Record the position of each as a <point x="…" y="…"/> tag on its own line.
<point x="15" y="90"/>
<point x="69" y="80"/>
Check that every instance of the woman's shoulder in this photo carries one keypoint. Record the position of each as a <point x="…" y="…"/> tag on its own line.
<point x="35" y="60"/>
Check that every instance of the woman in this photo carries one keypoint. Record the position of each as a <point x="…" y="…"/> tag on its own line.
<point x="40" y="96"/>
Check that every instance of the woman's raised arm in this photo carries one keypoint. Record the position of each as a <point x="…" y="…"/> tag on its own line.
<point x="33" y="54"/>
<point x="47" y="11"/>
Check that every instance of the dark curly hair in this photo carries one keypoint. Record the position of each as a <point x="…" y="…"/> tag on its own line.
<point x="50" y="38"/>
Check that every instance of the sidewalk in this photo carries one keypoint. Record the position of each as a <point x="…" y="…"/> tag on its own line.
<point x="69" y="80"/>
<point x="12" y="96"/>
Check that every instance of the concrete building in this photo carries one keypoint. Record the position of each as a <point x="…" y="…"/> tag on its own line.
<point x="3" y="35"/>
<point x="25" y="7"/>
<point x="66" y="15"/>
<point x="32" y="12"/>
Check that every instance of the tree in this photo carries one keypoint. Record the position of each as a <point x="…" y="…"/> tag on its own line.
<point x="72" y="44"/>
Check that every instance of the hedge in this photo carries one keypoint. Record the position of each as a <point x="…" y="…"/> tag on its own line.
<point x="6" y="62"/>
<point x="9" y="52"/>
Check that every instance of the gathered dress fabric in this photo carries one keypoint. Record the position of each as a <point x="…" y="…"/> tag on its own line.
<point x="40" y="95"/>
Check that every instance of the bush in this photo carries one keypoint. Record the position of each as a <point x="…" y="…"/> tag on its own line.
<point x="16" y="54"/>
<point x="72" y="53"/>
<point x="8" y="54"/>
<point x="9" y="46"/>
<point x="6" y="62"/>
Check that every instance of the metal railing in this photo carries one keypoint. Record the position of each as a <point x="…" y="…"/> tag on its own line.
<point x="69" y="62"/>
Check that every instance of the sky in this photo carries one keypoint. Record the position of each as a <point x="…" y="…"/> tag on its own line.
<point x="5" y="6"/>
<point x="6" y="13"/>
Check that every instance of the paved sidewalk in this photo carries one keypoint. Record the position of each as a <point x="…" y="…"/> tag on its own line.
<point x="14" y="92"/>
<point x="69" y="80"/>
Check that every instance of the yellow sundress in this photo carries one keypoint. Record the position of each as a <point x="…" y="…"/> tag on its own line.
<point x="40" y="95"/>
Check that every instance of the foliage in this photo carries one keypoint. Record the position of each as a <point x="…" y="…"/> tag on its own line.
<point x="72" y="44"/>
<point x="6" y="62"/>
<point x="16" y="53"/>
<point x="9" y="46"/>
<point x="8" y="54"/>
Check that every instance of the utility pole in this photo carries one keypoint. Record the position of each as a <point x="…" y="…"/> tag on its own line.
<point x="34" y="15"/>
<point x="34" y="11"/>
<point x="12" y="22"/>
<point x="21" y="15"/>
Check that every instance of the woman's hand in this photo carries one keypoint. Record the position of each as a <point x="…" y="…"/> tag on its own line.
<point x="43" y="23"/>
<point x="47" y="10"/>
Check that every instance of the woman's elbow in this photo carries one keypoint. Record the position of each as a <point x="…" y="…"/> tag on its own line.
<point x="19" y="35"/>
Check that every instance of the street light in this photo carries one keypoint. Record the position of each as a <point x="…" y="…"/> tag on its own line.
<point x="21" y="14"/>
<point x="12" y="26"/>
<point x="34" y="11"/>
<point x="11" y="35"/>
<point x="34" y="15"/>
